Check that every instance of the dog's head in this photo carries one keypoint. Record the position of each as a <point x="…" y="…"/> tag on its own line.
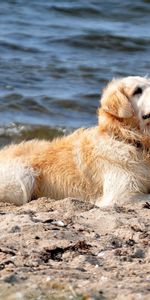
<point x="127" y="100"/>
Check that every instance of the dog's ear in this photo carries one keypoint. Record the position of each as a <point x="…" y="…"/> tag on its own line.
<point x="115" y="102"/>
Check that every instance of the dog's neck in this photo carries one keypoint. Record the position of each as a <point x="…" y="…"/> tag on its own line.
<point x="126" y="130"/>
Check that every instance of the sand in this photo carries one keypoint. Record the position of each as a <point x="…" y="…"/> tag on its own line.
<point x="69" y="249"/>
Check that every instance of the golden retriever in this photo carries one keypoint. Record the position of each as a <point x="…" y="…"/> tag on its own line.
<point x="105" y="164"/>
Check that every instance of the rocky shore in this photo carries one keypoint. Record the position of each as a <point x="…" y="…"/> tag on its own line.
<point x="68" y="249"/>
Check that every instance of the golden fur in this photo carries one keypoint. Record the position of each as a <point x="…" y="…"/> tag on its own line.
<point x="105" y="164"/>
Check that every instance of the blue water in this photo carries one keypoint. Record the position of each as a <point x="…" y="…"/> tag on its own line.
<point x="56" y="56"/>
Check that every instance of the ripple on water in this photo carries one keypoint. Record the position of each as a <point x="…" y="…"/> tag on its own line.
<point x="56" y="57"/>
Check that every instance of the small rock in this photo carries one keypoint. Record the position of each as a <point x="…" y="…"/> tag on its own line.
<point x="15" y="229"/>
<point x="19" y="295"/>
<point x="48" y="278"/>
<point x="97" y="236"/>
<point x="58" y="223"/>
<point x="115" y="242"/>
<point x="139" y="253"/>
<point x="101" y="254"/>
<point x="11" y="279"/>
<point x="146" y="205"/>
<point x="130" y="242"/>
<point x="37" y="237"/>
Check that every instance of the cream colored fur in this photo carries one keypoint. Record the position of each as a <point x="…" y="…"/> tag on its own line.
<point x="102" y="164"/>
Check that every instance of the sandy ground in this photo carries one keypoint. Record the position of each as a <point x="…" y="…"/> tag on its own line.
<point x="68" y="249"/>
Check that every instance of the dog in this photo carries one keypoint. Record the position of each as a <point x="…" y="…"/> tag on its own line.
<point x="105" y="164"/>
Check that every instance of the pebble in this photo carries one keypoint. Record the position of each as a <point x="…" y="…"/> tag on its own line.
<point x="58" y="223"/>
<point x="11" y="279"/>
<point x="15" y="229"/>
<point x="101" y="254"/>
<point x="139" y="253"/>
<point x="19" y="295"/>
<point x="48" y="278"/>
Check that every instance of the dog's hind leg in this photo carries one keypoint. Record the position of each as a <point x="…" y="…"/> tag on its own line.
<point x="17" y="182"/>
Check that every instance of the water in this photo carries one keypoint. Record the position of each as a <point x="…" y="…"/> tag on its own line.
<point x="56" y="56"/>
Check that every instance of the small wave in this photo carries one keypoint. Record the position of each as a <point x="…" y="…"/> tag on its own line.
<point x="107" y="41"/>
<point x="78" y="10"/>
<point x="17" y="102"/>
<point x="78" y="106"/>
<point x="20" y="132"/>
<point x="18" y="47"/>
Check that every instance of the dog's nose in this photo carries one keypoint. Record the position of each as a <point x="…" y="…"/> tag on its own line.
<point x="145" y="117"/>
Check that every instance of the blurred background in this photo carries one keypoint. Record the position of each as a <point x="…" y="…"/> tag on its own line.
<point x="56" y="56"/>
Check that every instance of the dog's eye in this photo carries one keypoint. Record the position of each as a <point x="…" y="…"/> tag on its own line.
<point x="138" y="91"/>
